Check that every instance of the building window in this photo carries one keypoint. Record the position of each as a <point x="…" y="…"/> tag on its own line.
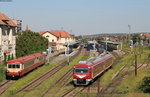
<point x="47" y="36"/>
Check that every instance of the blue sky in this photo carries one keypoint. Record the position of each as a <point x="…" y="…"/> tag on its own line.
<point x="81" y="17"/>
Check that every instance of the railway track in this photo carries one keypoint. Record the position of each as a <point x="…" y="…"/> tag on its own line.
<point x="73" y="91"/>
<point x="61" y="81"/>
<point x="144" y="64"/>
<point x="110" y="89"/>
<point x="116" y="79"/>
<point x="93" y="88"/>
<point x="65" y="79"/>
<point x="4" y="86"/>
<point x="48" y="74"/>
<point x="68" y="80"/>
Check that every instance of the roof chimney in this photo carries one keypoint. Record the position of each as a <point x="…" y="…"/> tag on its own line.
<point x="27" y="28"/>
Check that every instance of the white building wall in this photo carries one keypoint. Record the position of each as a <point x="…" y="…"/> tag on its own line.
<point x="7" y="41"/>
<point x="10" y="36"/>
<point x="50" y="37"/>
<point x="60" y="41"/>
<point x="0" y="36"/>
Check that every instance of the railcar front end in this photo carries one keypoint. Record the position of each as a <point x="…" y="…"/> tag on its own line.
<point x="13" y="70"/>
<point x="81" y="75"/>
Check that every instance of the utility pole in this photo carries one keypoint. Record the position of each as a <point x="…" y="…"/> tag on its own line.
<point x="121" y="44"/>
<point x="135" y="63"/>
<point x="106" y="43"/>
<point x="68" y="60"/>
<point x="129" y="26"/>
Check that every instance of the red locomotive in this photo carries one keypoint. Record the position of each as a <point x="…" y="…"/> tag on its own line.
<point x="85" y="71"/>
<point x="20" y="66"/>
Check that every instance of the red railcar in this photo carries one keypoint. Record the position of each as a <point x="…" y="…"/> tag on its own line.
<point x="20" y="66"/>
<point x="85" y="71"/>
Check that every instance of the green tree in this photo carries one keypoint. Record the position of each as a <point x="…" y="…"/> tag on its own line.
<point x="5" y="58"/>
<point x="29" y="42"/>
<point x="12" y="56"/>
<point x="8" y="58"/>
<point x="136" y="38"/>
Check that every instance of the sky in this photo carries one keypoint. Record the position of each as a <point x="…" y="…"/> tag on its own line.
<point x="80" y="17"/>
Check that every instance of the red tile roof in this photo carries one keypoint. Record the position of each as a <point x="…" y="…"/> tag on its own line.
<point x="4" y="20"/>
<point x="57" y="33"/>
<point x="146" y="34"/>
<point x="42" y="32"/>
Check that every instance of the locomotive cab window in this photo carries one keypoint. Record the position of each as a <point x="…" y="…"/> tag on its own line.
<point x="81" y="70"/>
<point x="13" y="66"/>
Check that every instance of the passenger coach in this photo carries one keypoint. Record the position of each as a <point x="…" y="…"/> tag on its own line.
<point x="85" y="71"/>
<point x="20" y="66"/>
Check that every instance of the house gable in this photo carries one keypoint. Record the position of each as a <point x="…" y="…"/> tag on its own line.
<point x="50" y="37"/>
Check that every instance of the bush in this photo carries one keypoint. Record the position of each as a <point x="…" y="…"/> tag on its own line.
<point x="28" y="42"/>
<point x="145" y="86"/>
<point x="2" y="74"/>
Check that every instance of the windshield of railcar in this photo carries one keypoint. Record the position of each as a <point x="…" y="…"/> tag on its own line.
<point x="81" y="70"/>
<point x="13" y="65"/>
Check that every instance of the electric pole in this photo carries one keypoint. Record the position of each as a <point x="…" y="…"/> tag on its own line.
<point x="135" y="63"/>
<point x="129" y="26"/>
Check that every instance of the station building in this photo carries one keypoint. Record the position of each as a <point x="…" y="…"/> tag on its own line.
<point x="57" y="39"/>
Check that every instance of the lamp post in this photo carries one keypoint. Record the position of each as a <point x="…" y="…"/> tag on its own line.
<point x="129" y="26"/>
<point x="131" y="45"/>
<point x="121" y="45"/>
<point x="67" y="53"/>
<point x="106" y="43"/>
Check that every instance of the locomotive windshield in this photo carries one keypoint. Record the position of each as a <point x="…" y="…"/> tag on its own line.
<point x="13" y="65"/>
<point x="81" y="70"/>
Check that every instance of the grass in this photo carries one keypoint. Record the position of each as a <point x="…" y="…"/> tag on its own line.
<point x="2" y="72"/>
<point x="130" y="86"/>
<point x="107" y="76"/>
<point x="37" y="92"/>
<point x="29" y="77"/>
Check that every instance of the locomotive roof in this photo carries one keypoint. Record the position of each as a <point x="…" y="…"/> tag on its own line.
<point x="93" y="60"/>
<point x="26" y="58"/>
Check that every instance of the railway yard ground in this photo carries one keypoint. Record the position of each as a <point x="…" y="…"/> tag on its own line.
<point x="119" y="81"/>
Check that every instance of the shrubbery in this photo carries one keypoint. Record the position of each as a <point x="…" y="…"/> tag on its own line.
<point x="145" y="86"/>
<point x="28" y="42"/>
<point x="2" y="72"/>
